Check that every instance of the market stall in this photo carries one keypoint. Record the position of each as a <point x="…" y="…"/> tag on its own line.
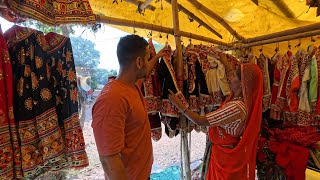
<point x="270" y="34"/>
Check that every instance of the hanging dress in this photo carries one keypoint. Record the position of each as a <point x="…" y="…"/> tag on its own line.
<point x="54" y="12"/>
<point x="217" y="82"/>
<point x="61" y="73"/>
<point x="304" y="112"/>
<point x="168" y="81"/>
<point x="292" y="92"/>
<point x="10" y="155"/>
<point x="42" y="143"/>
<point x="152" y="91"/>
<point x="262" y="62"/>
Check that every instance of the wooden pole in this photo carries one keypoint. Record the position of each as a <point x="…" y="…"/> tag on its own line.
<point x="138" y="3"/>
<point x="183" y="125"/>
<point x="216" y="17"/>
<point x="145" y="4"/>
<point x="284" y="8"/>
<point x="152" y="27"/>
<point x="303" y="29"/>
<point x="279" y="39"/>
<point x="196" y="18"/>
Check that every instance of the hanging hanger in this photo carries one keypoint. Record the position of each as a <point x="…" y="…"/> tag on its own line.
<point x="299" y="44"/>
<point x="134" y="31"/>
<point x="289" y="45"/>
<point x="167" y="41"/>
<point x="261" y="49"/>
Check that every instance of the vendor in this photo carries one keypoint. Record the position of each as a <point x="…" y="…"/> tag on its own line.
<point x="235" y="126"/>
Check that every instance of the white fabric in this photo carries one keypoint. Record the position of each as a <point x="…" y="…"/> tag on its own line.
<point x="216" y="77"/>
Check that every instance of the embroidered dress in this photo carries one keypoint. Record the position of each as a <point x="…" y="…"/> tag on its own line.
<point x="54" y="12"/>
<point x="262" y="62"/>
<point x="292" y="91"/>
<point x="61" y="73"/>
<point x="42" y="143"/>
<point x="304" y="116"/>
<point x="10" y="155"/>
<point x="152" y="91"/>
<point x="168" y="81"/>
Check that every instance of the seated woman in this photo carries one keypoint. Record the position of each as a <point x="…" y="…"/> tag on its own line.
<point x="235" y="126"/>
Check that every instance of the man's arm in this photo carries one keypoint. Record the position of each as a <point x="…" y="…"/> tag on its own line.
<point x="113" y="167"/>
<point x="155" y="59"/>
<point x="108" y="123"/>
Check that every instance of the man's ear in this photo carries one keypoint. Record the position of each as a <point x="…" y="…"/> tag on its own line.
<point x="139" y="63"/>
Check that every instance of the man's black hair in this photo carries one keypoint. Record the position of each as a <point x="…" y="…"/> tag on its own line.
<point x="129" y="48"/>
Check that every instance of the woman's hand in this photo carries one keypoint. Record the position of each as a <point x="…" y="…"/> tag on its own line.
<point x="176" y="101"/>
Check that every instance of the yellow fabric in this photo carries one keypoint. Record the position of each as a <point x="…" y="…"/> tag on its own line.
<point x="245" y="17"/>
<point x="312" y="175"/>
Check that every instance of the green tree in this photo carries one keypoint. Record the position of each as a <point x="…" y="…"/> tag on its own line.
<point x="84" y="53"/>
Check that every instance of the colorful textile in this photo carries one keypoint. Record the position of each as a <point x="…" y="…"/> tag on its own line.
<point x="292" y="158"/>
<point x="54" y="12"/>
<point x="61" y="73"/>
<point x="292" y="91"/>
<point x="239" y="162"/>
<point x="217" y="80"/>
<point x="313" y="86"/>
<point x="168" y="81"/>
<point x="304" y="118"/>
<point x="10" y="155"/>
<point x="231" y="117"/>
<point x="42" y="143"/>
<point x="151" y="86"/>
<point x="262" y="62"/>
<point x="45" y="101"/>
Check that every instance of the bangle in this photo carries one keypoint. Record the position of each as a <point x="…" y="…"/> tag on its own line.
<point x="184" y="111"/>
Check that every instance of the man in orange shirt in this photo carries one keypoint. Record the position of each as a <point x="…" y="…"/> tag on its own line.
<point x="120" y="122"/>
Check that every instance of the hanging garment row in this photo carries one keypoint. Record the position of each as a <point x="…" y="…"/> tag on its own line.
<point x="40" y="128"/>
<point x="291" y="86"/>
<point x="205" y="87"/>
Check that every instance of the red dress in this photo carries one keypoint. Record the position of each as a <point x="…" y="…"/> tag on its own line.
<point x="10" y="157"/>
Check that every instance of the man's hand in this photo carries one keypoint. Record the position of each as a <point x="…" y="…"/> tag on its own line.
<point x="161" y="53"/>
<point x="113" y="167"/>
<point x="154" y="60"/>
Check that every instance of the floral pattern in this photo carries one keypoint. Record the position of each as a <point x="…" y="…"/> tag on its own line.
<point x="50" y="133"/>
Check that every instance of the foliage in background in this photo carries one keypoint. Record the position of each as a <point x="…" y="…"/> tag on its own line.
<point x="87" y="56"/>
<point x="47" y="28"/>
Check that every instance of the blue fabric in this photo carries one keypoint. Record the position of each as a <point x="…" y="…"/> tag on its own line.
<point x="171" y="173"/>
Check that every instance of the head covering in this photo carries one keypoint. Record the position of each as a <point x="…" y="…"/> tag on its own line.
<point x="240" y="162"/>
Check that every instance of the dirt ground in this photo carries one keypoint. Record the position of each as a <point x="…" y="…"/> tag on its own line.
<point x="166" y="153"/>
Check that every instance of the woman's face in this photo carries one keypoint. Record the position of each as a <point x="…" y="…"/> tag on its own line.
<point x="235" y="84"/>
